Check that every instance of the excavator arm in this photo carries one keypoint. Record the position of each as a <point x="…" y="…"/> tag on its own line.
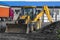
<point x="45" y="10"/>
<point x="38" y="16"/>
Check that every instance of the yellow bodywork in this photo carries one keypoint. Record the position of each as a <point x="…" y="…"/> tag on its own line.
<point x="27" y="20"/>
<point x="46" y="11"/>
<point x="38" y="16"/>
<point x="29" y="6"/>
<point x="23" y="17"/>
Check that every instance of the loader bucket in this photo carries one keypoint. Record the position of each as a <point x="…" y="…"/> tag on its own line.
<point x="16" y="28"/>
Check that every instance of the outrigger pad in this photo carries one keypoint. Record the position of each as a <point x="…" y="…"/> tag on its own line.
<point x="16" y="28"/>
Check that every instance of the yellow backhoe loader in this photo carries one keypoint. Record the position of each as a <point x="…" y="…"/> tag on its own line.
<point x="25" y="24"/>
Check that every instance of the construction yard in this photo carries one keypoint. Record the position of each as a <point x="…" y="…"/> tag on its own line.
<point x="42" y="34"/>
<point x="29" y="21"/>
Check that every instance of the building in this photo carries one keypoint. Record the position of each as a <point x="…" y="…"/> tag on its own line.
<point x="53" y="6"/>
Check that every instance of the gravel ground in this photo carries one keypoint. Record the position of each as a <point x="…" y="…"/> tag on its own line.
<point x="41" y="34"/>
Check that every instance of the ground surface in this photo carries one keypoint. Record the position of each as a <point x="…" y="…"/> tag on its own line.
<point x="46" y="33"/>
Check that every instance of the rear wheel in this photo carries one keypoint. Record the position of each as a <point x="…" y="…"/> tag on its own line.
<point x="2" y="29"/>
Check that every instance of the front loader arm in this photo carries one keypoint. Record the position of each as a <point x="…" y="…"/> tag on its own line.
<point x="27" y="20"/>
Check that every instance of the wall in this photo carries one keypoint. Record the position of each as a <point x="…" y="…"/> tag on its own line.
<point x="17" y="11"/>
<point x="4" y="12"/>
<point x="55" y="13"/>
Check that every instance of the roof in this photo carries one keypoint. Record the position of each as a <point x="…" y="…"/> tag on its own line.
<point x="24" y="3"/>
<point x="4" y="6"/>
